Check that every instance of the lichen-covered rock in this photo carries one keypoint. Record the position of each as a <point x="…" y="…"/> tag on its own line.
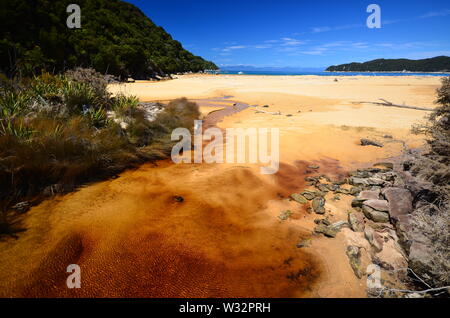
<point x="354" y="257"/>
<point x="358" y="181"/>
<point x="421" y="256"/>
<point x="355" y="191"/>
<point x="373" y="181"/>
<point x="356" y="221"/>
<point x="368" y="142"/>
<point x="379" y="205"/>
<point x="326" y="230"/>
<point x="285" y="215"/>
<point x="318" y="205"/>
<point x="308" y="194"/>
<point x="374" y="215"/>
<point x="299" y="198"/>
<point x="323" y="187"/>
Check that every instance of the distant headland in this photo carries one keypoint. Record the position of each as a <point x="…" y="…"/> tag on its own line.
<point x="435" y="64"/>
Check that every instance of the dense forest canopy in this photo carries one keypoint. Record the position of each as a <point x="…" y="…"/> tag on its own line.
<point x="435" y="64"/>
<point x="115" y="38"/>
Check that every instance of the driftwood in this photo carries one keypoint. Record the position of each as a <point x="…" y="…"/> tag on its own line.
<point x="389" y="104"/>
<point x="266" y="112"/>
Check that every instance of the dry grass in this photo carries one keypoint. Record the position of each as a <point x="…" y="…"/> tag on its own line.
<point x="431" y="215"/>
<point x="54" y="132"/>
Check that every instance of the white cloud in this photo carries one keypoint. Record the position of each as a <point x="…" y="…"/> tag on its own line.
<point x="320" y="29"/>
<point x="234" y="47"/>
<point x="442" y="13"/>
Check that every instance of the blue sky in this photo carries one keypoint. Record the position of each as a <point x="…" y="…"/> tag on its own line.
<point x="300" y="33"/>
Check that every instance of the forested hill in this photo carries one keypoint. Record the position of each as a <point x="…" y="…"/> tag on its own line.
<point x="115" y="38"/>
<point x="435" y="64"/>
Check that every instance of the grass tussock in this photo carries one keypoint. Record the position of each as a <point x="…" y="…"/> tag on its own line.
<point x="57" y="132"/>
<point x="432" y="212"/>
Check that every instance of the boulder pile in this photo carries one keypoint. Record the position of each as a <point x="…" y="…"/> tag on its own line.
<point x="381" y="211"/>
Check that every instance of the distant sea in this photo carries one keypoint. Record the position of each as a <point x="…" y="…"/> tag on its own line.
<point x="331" y="73"/>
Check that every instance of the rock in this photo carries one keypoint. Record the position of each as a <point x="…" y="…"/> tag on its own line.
<point x="414" y="295"/>
<point x="22" y="207"/>
<point x="369" y="195"/>
<point x="421" y="255"/>
<point x="356" y="221"/>
<point x="310" y="195"/>
<point x="314" y="167"/>
<point x="400" y="202"/>
<point x="386" y="165"/>
<point x="368" y="142"/>
<point x="356" y="181"/>
<point x="373" y="238"/>
<point x="388" y="136"/>
<point x="375" y="181"/>
<point x="374" y="215"/>
<point x="407" y="165"/>
<point x="285" y="215"/>
<point x="304" y="243"/>
<point x="299" y="198"/>
<point x="323" y="187"/>
<point x="357" y="203"/>
<point x="326" y="230"/>
<point x="322" y="221"/>
<point x="333" y="187"/>
<point x="266" y="106"/>
<point x="336" y="198"/>
<point x="339" y="225"/>
<point x="342" y="191"/>
<point x="318" y="205"/>
<point x="130" y="80"/>
<point x="355" y="190"/>
<point x="399" y="183"/>
<point x="386" y="176"/>
<point x="178" y="199"/>
<point x="379" y="205"/>
<point x="354" y="257"/>
<point x="56" y="189"/>
<point x="151" y="110"/>
<point x="361" y="173"/>
<point x="383" y="264"/>
<point x="403" y="227"/>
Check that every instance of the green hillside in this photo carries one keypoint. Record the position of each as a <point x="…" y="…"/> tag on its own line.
<point x="115" y="38"/>
<point x="435" y="64"/>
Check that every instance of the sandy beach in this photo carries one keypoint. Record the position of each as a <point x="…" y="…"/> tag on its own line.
<point x="328" y="118"/>
<point x="225" y="240"/>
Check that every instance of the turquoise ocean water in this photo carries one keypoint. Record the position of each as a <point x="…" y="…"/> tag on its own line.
<point x="331" y="73"/>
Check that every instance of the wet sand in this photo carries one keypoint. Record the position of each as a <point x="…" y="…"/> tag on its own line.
<point x="132" y="239"/>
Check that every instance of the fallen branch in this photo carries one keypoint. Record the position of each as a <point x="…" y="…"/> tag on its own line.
<point x="266" y="112"/>
<point x="389" y="104"/>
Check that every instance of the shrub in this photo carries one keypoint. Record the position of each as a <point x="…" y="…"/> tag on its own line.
<point x="431" y="215"/>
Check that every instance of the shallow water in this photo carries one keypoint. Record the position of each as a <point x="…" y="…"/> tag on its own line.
<point x="131" y="238"/>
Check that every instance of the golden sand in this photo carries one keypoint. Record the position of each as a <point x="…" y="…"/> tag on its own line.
<point x="132" y="239"/>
